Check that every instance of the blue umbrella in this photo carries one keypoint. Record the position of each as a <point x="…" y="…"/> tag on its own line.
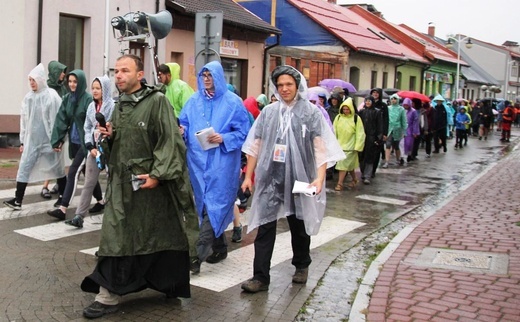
<point x="330" y="83"/>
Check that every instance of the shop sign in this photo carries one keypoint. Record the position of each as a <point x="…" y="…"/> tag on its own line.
<point x="228" y="48"/>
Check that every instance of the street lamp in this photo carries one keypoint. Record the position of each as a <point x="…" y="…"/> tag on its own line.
<point x="449" y="44"/>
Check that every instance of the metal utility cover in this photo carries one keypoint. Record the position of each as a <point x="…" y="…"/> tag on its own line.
<point x="461" y="260"/>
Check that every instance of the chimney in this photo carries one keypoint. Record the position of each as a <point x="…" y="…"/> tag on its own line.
<point x="431" y="29"/>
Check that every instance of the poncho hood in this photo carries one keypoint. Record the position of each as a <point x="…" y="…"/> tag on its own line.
<point x="38" y="74"/>
<point x="216" y="70"/>
<point x="55" y="70"/>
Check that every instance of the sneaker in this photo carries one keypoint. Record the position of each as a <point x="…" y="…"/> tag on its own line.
<point x="77" y="221"/>
<point x="428" y="156"/>
<point x="480" y="138"/>
<point x="216" y="257"/>
<point x="46" y="194"/>
<point x="300" y="275"/>
<point x="435" y="151"/>
<point x="13" y="204"/>
<point x="97" y="208"/>
<point x="366" y="181"/>
<point x="54" y="189"/>
<point x="57" y="203"/>
<point x="56" y="213"/>
<point x="97" y="310"/>
<point x="237" y="234"/>
<point x="385" y="165"/>
<point x="401" y="161"/>
<point x="485" y="138"/>
<point x="254" y="286"/>
<point x="195" y="265"/>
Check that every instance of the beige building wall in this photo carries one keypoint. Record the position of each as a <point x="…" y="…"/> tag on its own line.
<point x="367" y="64"/>
<point x="17" y="59"/>
<point x="19" y="53"/>
<point x="180" y="48"/>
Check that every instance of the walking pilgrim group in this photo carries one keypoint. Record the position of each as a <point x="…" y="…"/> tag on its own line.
<point x="177" y="159"/>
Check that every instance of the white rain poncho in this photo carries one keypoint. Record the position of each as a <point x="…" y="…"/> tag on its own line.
<point x="309" y="143"/>
<point x="39" y="108"/>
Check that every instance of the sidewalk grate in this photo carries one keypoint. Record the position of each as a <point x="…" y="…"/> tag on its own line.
<point x="468" y="261"/>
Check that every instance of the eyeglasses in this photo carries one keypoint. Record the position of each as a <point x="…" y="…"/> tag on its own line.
<point x="204" y="76"/>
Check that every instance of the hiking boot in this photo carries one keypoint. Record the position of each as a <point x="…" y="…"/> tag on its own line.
<point x="77" y="221"/>
<point x="300" y="275"/>
<point x="56" y="213"/>
<point x="195" y="265"/>
<point x="97" y="208"/>
<point x="237" y="234"/>
<point x="46" y="194"/>
<point x="254" y="286"/>
<point x="216" y="257"/>
<point x="97" y="310"/>
<point x="13" y="204"/>
<point x="57" y="203"/>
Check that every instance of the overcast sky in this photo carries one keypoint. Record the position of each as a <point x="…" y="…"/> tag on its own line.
<point x="492" y="21"/>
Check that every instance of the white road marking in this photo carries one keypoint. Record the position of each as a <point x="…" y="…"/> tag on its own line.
<point x="29" y="209"/>
<point x="383" y="200"/>
<point x="59" y="229"/>
<point x="238" y="267"/>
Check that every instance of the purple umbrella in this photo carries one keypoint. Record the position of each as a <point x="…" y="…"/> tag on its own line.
<point x="330" y="83"/>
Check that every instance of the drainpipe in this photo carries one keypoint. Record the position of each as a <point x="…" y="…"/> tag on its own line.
<point x="39" y="40"/>
<point x="395" y="74"/>
<point x="266" y="49"/>
<point x="106" y="69"/>
<point x="422" y="76"/>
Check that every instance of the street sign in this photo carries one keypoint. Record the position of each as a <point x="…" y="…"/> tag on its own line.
<point x="208" y="34"/>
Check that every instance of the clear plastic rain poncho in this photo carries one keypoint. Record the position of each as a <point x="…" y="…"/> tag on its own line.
<point x="39" y="108"/>
<point x="309" y="143"/>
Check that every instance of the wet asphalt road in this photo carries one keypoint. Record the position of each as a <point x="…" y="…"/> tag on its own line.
<point x="39" y="281"/>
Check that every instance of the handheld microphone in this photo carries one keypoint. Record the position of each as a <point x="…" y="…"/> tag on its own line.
<point x="101" y="120"/>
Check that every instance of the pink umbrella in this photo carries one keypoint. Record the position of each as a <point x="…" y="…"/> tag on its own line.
<point x="330" y="83"/>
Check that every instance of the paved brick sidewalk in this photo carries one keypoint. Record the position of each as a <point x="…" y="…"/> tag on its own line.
<point x="480" y="220"/>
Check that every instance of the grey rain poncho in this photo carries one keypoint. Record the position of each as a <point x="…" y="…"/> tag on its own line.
<point x="39" y="108"/>
<point x="310" y="143"/>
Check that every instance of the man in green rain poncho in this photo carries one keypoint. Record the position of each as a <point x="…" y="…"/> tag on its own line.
<point x="145" y="237"/>
<point x="177" y="91"/>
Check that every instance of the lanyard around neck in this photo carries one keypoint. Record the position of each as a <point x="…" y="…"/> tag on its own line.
<point x="284" y="120"/>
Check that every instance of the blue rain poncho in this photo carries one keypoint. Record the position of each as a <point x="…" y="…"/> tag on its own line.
<point x="214" y="173"/>
<point x="39" y="108"/>
<point x="310" y="143"/>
